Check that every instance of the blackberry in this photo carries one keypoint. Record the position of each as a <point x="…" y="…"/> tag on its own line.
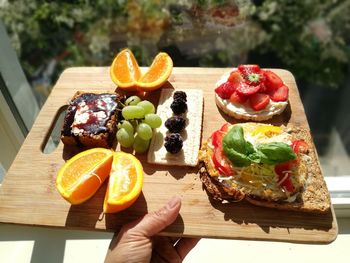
<point x="175" y="123"/>
<point x="180" y="95"/>
<point x="173" y="143"/>
<point x="178" y="106"/>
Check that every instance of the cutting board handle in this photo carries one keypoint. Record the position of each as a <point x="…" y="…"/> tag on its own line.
<point x="52" y="136"/>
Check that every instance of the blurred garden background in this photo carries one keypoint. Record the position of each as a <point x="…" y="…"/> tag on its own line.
<point x="310" y="38"/>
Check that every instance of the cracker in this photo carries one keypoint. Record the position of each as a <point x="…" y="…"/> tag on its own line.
<point x="188" y="156"/>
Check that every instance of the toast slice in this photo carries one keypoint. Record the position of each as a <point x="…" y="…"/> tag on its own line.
<point x="312" y="195"/>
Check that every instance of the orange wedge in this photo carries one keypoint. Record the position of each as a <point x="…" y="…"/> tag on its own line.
<point x="125" y="183"/>
<point x="124" y="70"/>
<point x="157" y="74"/>
<point x="81" y="176"/>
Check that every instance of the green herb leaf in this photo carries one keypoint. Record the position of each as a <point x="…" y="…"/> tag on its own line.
<point x="236" y="148"/>
<point x="275" y="152"/>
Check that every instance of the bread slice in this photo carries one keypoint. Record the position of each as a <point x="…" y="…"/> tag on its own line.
<point x="313" y="197"/>
<point x="91" y="119"/>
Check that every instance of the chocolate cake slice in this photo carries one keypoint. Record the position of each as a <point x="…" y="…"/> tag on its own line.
<point x="91" y="119"/>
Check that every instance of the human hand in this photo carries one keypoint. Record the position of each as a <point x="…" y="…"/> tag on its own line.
<point x="136" y="241"/>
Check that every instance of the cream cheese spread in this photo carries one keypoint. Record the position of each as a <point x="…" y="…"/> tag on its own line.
<point x="273" y="108"/>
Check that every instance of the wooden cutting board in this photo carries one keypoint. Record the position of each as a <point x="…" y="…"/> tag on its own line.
<point x="28" y="194"/>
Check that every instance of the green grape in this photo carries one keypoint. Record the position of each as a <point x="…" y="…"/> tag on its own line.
<point x="132" y="100"/>
<point x="153" y="120"/>
<point x="125" y="138"/>
<point x="133" y="112"/>
<point x="140" y="145"/>
<point x="127" y="126"/>
<point x="144" y="131"/>
<point x="147" y="106"/>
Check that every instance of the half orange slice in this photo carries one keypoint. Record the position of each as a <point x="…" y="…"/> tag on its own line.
<point x="124" y="70"/>
<point x="125" y="183"/>
<point x="81" y="176"/>
<point x="157" y="74"/>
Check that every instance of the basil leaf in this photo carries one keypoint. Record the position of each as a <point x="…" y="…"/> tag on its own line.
<point x="236" y="148"/>
<point x="255" y="157"/>
<point x="275" y="152"/>
<point x="235" y="139"/>
<point x="238" y="159"/>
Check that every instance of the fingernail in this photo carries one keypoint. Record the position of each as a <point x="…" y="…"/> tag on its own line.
<point x="173" y="201"/>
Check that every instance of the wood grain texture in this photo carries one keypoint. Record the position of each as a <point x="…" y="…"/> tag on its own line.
<point x="29" y="196"/>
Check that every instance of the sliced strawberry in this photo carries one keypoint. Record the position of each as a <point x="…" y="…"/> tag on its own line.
<point x="259" y="101"/>
<point x="254" y="79"/>
<point x="225" y="127"/>
<point x="272" y="80"/>
<point x="221" y="163"/>
<point x="217" y="137"/>
<point x="235" y="77"/>
<point x="247" y="90"/>
<point x="263" y="88"/>
<point x="283" y="170"/>
<point x="225" y="90"/>
<point x="247" y="69"/>
<point x="238" y="98"/>
<point x="279" y="94"/>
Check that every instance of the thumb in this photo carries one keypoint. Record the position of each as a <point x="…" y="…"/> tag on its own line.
<point x="152" y="223"/>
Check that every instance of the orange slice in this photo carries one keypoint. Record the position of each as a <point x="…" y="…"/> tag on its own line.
<point x="124" y="70"/>
<point x="125" y="183"/>
<point x="157" y="74"/>
<point x="81" y="176"/>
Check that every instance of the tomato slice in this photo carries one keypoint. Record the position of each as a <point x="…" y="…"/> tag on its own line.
<point x="217" y="137"/>
<point x="283" y="169"/>
<point x="225" y="127"/>
<point x="221" y="163"/>
<point x="300" y="146"/>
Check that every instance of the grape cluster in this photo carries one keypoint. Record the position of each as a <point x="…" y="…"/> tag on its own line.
<point x="173" y="141"/>
<point x="136" y="128"/>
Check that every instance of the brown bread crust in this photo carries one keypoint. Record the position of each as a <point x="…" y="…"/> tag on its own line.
<point x="314" y="198"/>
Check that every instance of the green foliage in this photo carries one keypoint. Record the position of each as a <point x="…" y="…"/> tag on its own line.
<point x="308" y="37"/>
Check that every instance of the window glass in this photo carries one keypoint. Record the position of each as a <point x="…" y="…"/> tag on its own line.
<point x="309" y="38"/>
